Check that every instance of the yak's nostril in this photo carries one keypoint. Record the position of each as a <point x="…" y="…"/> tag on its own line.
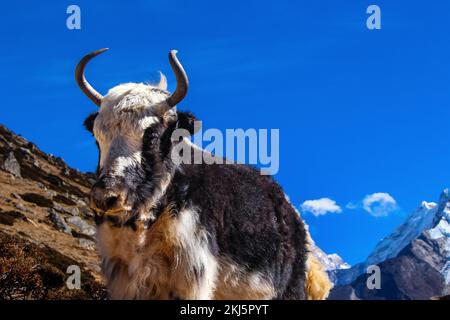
<point x="111" y="202"/>
<point x="105" y="199"/>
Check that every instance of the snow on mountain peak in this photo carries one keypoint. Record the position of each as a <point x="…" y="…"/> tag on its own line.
<point x="442" y="219"/>
<point x="330" y="262"/>
<point x="425" y="217"/>
<point x="337" y="262"/>
<point x="428" y="205"/>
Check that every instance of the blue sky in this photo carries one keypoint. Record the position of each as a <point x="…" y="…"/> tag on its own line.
<point x="359" y="111"/>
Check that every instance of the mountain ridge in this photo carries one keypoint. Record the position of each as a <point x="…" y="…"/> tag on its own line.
<point x="421" y="243"/>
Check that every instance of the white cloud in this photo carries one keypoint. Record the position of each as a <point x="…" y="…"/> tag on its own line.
<point x="321" y="207"/>
<point x="379" y="204"/>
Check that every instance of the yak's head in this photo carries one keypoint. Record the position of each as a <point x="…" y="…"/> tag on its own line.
<point x="133" y="130"/>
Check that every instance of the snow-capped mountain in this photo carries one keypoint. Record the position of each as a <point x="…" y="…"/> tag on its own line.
<point x="415" y="257"/>
<point x="420" y="220"/>
<point x="331" y="262"/>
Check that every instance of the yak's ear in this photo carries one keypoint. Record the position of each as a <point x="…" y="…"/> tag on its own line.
<point x="89" y="122"/>
<point x="186" y="120"/>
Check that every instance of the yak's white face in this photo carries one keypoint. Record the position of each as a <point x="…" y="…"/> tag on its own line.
<point x="133" y="130"/>
<point x="127" y="112"/>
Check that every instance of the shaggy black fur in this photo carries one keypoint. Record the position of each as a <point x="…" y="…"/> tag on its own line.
<point x="248" y="219"/>
<point x="246" y="214"/>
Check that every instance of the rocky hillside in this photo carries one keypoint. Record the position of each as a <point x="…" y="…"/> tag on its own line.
<point x="45" y="225"/>
<point x="414" y="260"/>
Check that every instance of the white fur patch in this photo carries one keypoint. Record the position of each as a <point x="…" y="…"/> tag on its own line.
<point x="174" y="259"/>
<point x="234" y="283"/>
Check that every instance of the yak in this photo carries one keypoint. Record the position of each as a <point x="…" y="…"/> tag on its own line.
<point x="170" y="230"/>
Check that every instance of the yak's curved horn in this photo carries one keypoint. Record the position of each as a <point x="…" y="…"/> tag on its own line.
<point x="81" y="80"/>
<point x="182" y="80"/>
